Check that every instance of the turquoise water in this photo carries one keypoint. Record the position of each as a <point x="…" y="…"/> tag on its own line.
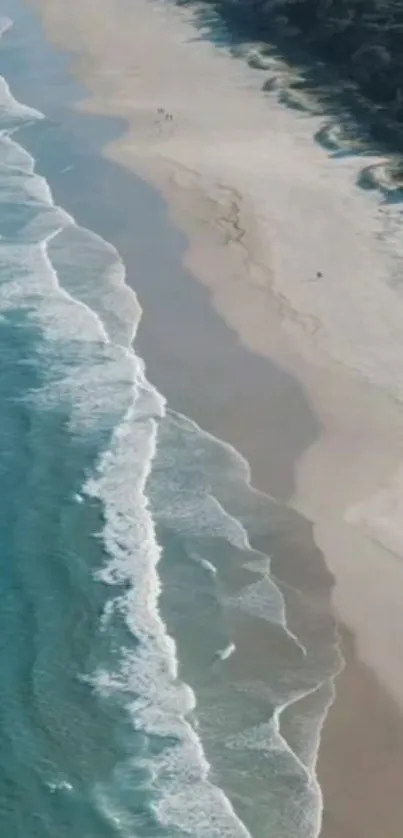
<point x="155" y="679"/>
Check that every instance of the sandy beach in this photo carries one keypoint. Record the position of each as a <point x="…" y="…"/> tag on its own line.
<point x="264" y="209"/>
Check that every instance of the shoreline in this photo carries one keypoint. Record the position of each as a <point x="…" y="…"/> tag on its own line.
<point x="362" y="787"/>
<point x="211" y="228"/>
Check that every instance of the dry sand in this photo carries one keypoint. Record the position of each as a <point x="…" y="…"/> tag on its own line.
<point x="265" y="208"/>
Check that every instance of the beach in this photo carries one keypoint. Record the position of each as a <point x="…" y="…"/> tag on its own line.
<point x="300" y="373"/>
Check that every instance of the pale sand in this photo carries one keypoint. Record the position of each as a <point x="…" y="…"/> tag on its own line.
<point x="265" y="209"/>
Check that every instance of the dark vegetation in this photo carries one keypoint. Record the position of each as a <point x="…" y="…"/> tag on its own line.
<point x="364" y="38"/>
<point x="360" y="41"/>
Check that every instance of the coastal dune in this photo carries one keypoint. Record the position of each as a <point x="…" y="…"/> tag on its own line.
<point x="304" y="267"/>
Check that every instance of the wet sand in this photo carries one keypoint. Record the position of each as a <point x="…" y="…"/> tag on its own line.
<point x="361" y="756"/>
<point x="279" y="350"/>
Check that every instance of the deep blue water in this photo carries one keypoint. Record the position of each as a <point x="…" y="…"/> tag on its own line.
<point x="146" y="651"/>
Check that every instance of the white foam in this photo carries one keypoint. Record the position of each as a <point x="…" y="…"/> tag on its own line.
<point x="207" y="565"/>
<point x="186" y="799"/>
<point x="5" y="24"/>
<point x="182" y="499"/>
<point x="264" y="601"/>
<point x="267" y="739"/>
<point x="12" y="112"/>
<point x="89" y="323"/>
<point x="226" y="653"/>
<point x="263" y="598"/>
<point x="14" y="157"/>
<point x="59" y="785"/>
<point x="110" y="297"/>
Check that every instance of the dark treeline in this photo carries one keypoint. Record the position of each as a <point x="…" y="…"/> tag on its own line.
<point x="361" y="39"/>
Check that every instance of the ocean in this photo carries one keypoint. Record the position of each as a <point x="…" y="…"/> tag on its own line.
<point x="157" y="679"/>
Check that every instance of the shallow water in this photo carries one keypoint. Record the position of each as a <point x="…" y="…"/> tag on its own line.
<point x="147" y="651"/>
